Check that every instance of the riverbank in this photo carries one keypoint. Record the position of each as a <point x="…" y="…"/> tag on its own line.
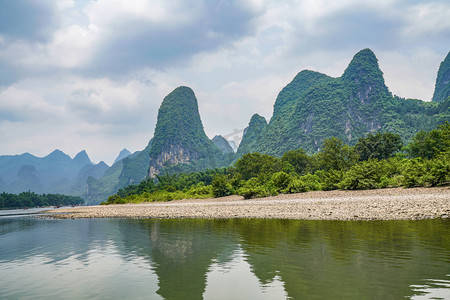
<point x="382" y="204"/>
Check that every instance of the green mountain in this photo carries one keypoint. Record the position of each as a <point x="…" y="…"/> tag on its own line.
<point x="442" y="88"/>
<point x="223" y="145"/>
<point x="310" y="109"/>
<point x="98" y="190"/>
<point x="129" y="170"/>
<point x="179" y="136"/>
<point x="252" y="134"/>
<point x="79" y="186"/>
<point x="179" y="144"/>
<point x="135" y="167"/>
<point x="124" y="153"/>
<point x="315" y="107"/>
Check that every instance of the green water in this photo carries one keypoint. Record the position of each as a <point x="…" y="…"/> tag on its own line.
<point x="223" y="259"/>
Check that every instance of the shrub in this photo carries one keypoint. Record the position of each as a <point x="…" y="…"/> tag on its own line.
<point x="253" y="189"/>
<point x="438" y="169"/>
<point x="221" y="186"/>
<point x="364" y="175"/>
<point x="280" y="181"/>
<point x="413" y="173"/>
<point x="330" y="179"/>
<point x="312" y="182"/>
<point x="297" y="186"/>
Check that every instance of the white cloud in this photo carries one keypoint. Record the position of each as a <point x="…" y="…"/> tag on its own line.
<point x="95" y="77"/>
<point x="76" y="113"/>
<point x="427" y="20"/>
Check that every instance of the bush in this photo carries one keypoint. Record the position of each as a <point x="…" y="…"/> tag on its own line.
<point x="200" y="190"/>
<point x="253" y="189"/>
<point x="297" y="186"/>
<point x="438" y="169"/>
<point x="413" y="173"/>
<point x="364" y="175"/>
<point x="221" y="186"/>
<point x="330" y="179"/>
<point x="312" y="182"/>
<point x="280" y="182"/>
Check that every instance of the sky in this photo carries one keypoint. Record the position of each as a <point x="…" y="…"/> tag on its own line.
<point x="91" y="74"/>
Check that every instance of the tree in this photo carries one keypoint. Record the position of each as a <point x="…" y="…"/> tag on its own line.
<point x="335" y="155"/>
<point x="298" y="159"/>
<point x="221" y="186"/>
<point x="381" y="145"/>
<point x="257" y="164"/>
<point x="429" y="144"/>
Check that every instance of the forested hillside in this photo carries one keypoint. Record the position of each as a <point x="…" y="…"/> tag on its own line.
<point x="315" y="107"/>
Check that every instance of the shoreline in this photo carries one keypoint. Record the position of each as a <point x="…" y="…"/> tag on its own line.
<point x="379" y="204"/>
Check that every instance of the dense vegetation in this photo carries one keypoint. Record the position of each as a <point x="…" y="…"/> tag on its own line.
<point x="179" y="145"/>
<point x="308" y="111"/>
<point x="30" y="199"/>
<point x="315" y="107"/>
<point x="179" y="134"/>
<point x="442" y="88"/>
<point x="376" y="161"/>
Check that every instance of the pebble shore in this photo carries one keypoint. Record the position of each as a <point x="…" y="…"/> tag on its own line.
<point x="382" y="204"/>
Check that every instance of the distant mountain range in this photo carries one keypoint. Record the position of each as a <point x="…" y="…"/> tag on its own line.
<point x="54" y="173"/>
<point x="310" y="109"/>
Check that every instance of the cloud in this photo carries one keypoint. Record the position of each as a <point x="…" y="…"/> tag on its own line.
<point x="91" y="74"/>
<point x="74" y="113"/>
<point x="161" y="34"/>
<point x="28" y="19"/>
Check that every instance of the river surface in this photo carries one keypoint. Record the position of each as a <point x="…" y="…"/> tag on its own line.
<point x="223" y="259"/>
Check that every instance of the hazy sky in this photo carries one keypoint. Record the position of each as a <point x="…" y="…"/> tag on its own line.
<point x="91" y="74"/>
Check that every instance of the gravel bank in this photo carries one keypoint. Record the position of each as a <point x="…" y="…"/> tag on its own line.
<point x="383" y="204"/>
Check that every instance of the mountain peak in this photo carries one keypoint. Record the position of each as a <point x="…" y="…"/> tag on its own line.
<point x="287" y="97"/>
<point x="364" y="77"/>
<point x="222" y="144"/>
<point x="124" y="153"/>
<point x="252" y="133"/>
<point x="179" y="135"/>
<point x="57" y="154"/>
<point x="442" y="88"/>
<point x="363" y="66"/>
<point x="82" y="158"/>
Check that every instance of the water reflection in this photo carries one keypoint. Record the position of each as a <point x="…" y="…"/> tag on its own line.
<point x="195" y="259"/>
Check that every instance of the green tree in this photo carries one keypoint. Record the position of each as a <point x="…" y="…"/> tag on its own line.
<point x="221" y="186"/>
<point x="280" y="181"/>
<point x="257" y="164"/>
<point x="335" y="155"/>
<point x="438" y="169"/>
<point x="298" y="159"/>
<point x="429" y="144"/>
<point x="364" y="175"/>
<point x="414" y="172"/>
<point x="381" y="145"/>
<point x="253" y="188"/>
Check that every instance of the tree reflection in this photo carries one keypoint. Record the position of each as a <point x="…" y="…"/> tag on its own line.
<point x="313" y="259"/>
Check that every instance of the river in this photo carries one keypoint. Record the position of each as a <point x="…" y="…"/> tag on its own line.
<point x="223" y="259"/>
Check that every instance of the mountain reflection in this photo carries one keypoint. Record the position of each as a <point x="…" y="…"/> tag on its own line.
<point x="313" y="259"/>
